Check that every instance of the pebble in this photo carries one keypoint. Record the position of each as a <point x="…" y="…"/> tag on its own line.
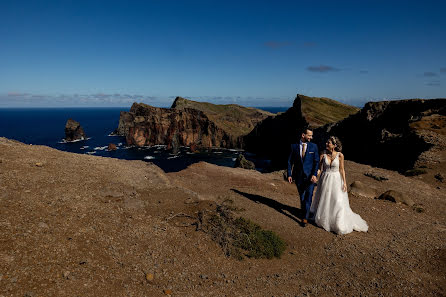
<point x="150" y="277"/>
<point x="167" y="291"/>
<point x="39" y="164"/>
<point x="66" y="274"/>
<point x="43" y="225"/>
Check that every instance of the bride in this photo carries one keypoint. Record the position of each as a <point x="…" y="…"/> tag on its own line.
<point x="330" y="204"/>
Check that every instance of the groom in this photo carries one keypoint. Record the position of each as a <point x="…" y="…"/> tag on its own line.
<point x="303" y="164"/>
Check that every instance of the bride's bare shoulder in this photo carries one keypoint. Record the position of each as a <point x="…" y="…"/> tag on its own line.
<point x="341" y="155"/>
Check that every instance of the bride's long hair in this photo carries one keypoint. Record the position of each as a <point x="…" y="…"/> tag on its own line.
<point x="336" y="142"/>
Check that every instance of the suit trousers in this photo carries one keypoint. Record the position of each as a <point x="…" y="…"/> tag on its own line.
<point x="305" y="190"/>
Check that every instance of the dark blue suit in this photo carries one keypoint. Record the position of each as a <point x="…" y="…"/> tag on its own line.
<point x="301" y="170"/>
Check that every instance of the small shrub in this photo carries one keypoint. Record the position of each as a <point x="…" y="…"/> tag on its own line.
<point x="241" y="237"/>
<point x="415" y="172"/>
<point x="257" y="242"/>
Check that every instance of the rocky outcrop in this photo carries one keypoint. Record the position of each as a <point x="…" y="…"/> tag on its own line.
<point x="385" y="134"/>
<point x="112" y="147"/>
<point x="396" y="197"/>
<point x="74" y="131"/>
<point x="146" y="125"/>
<point x="273" y="137"/>
<point x="358" y="188"/>
<point x="234" y="119"/>
<point x="241" y="162"/>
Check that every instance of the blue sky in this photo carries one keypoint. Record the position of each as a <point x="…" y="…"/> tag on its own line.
<point x="255" y="53"/>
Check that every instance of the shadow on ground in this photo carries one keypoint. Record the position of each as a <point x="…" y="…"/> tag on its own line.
<point x="293" y="213"/>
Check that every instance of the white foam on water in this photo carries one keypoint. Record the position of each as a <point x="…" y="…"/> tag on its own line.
<point x="233" y="159"/>
<point x="149" y="157"/>
<point x="91" y="153"/>
<point x="218" y="152"/>
<point x="173" y="157"/>
<point x="84" y="147"/>
<point x="100" y="148"/>
<point x="77" y="140"/>
<point x="159" y="146"/>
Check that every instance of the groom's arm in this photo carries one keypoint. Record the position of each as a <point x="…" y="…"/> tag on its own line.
<point x="290" y="161"/>
<point x="315" y="160"/>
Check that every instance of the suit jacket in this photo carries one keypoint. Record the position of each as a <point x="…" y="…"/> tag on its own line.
<point x="302" y="169"/>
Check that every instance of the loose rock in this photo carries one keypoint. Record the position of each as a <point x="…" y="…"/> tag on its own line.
<point x="241" y="162"/>
<point x="358" y="188"/>
<point x="396" y="197"/>
<point x="112" y="147"/>
<point x="150" y="277"/>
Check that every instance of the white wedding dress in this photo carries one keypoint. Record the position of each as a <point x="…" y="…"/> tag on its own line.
<point x="330" y="204"/>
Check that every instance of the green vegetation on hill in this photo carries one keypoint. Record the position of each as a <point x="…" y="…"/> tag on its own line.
<point x="234" y="119"/>
<point x="321" y="111"/>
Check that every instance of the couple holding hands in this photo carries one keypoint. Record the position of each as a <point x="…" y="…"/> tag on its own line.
<point x="330" y="208"/>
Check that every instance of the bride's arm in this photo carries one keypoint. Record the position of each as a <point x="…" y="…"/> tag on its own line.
<point x="342" y="171"/>
<point x="320" y="165"/>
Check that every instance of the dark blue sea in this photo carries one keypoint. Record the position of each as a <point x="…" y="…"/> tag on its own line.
<point x="45" y="126"/>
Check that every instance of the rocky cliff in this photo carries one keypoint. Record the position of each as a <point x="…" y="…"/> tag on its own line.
<point x="389" y="134"/>
<point x="189" y="123"/>
<point x="272" y="137"/>
<point x="145" y="125"/>
<point x="234" y="119"/>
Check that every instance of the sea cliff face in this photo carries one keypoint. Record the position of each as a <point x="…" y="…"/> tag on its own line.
<point x="273" y="137"/>
<point x="388" y="134"/>
<point x="146" y="125"/>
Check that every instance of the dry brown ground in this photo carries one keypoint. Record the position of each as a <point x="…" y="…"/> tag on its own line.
<point x="82" y="225"/>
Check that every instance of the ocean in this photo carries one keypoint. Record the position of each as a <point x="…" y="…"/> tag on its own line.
<point x="45" y="126"/>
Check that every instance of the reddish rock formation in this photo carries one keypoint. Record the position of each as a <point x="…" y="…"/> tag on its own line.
<point x="146" y="125"/>
<point x="74" y="131"/>
<point x="112" y="147"/>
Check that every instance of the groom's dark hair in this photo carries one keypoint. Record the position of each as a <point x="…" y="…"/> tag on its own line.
<point x="304" y="129"/>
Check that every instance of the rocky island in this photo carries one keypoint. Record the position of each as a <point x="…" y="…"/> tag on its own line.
<point x="74" y="131"/>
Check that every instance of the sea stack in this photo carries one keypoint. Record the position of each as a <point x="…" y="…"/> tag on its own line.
<point x="74" y="131"/>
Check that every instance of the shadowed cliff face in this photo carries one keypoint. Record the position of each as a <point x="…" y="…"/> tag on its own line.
<point x="145" y="125"/>
<point x="273" y="137"/>
<point x="384" y="134"/>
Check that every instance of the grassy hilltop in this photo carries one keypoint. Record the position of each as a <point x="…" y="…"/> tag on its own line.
<point x="234" y="119"/>
<point x="321" y="111"/>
